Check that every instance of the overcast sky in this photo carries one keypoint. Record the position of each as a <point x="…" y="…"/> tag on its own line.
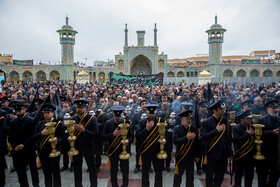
<point x="28" y="27"/>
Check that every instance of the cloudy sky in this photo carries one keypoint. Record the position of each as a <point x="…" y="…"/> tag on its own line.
<point x="28" y="27"/>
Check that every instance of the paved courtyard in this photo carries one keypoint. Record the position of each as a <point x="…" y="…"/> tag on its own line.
<point x="103" y="175"/>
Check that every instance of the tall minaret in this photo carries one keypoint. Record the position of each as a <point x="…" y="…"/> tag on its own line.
<point x="125" y="31"/>
<point x="215" y="41"/>
<point x="67" y="41"/>
<point x="155" y="35"/>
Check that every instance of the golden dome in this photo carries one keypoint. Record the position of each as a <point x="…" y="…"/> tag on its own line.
<point x="82" y="73"/>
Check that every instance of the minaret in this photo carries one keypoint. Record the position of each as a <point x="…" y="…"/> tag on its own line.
<point x="125" y="31"/>
<point x="215" y="41"/>
<point x="67" y="41"/>
<point x="155" y="35"/>
<point x="140" y="38"/>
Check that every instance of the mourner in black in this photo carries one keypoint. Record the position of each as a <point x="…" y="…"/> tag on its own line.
<point x="247" y="105"/>
<point x="38" y="103"/>
<point x="147" y="133"/>
<point x="137" y="117"/>
<point x="100" y="114"/>
<point x="203" y="114"/>
<point x="3" y="150"/>
<point x="217" y="146"/>
<point x="164" y="115"/>
<point x="267" y="170"/>
<point x="243" y="139"/>
<point x="65" y="146"/>
<point x="112" y="135"/>
<point x="86" y="128"/>
<point x="50" y="165"/>
<point x="20" y="137"/>
<point x="187" y="150"/>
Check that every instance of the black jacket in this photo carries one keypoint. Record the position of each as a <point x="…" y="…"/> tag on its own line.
<point x="270" y="140"/>
<point x="21" y="131"/>
<point x="108" y="131"/>
<point x="3" y="134"/>
<point x="39" y="138"/>
<point x="85" y="141"/>
<point x="209" y="131"/>
<point x="180" y="137"/>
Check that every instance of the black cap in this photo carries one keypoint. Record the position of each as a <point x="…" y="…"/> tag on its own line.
<point x="187" y="105"/>
<point x="247" y="102"/>
<point x="202" y="104"/>
<point x="272" y="103"/>
<point x="39" y="101"/>
<point x="246" y="114"/>
<point x="81" y="103"/>
<point x="117" y="109"/>
<point x="151" y="108"/>
<point x="215" y="105"/>
<point x="187" y="113"/>
<point x="48" y="108"/>
<point x="17" y="105"/>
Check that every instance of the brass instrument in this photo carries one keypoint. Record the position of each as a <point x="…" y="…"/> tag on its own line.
<point x="161" y="130"/>
<point x="51" y="129"/>
<point x="70" y="129"/>
<point x="232" y="118"/>
<point x="124" y="131"/>
<point x="258" y="134"/>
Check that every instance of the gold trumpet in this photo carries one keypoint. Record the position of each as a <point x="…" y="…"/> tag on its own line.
<point x="258" y="134"/>
<point x="161" y="130"/>
<point x="124" y="131"/>
<point x="51" y="128"/>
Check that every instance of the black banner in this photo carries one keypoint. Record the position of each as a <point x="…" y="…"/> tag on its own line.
<point x="155" y="79"/>
<point x="23" y="62"/>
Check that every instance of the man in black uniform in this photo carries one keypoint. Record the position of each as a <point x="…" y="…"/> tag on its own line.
<point x="20" y="137"/>
<point x="268" y="167"/>
<point x="112" y="134"/>
<point x="243" y="139"/>
<point x="218" y="150"/>
<point x="50" y="165"/>
<point x="101" y="119"/>
<point x="136" y="119"/>
<point x="3" y="150"/>
<point x="86" y="128"/>
<point x="187" y="150"/>
<point x="164" y="115"/>
<point x="147" y="133"/>
<point x="65" y="146"/>
<point x="203" y="114"/>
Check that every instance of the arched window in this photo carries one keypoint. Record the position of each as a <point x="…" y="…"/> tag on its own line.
<point x="241" y="73"/>
<point x="254" y="73"/>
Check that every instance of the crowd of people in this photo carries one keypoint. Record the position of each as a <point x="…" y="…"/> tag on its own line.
<point x="198" y="128"/>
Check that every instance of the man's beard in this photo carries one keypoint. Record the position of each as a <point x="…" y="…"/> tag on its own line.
<point x="80" y="112"/>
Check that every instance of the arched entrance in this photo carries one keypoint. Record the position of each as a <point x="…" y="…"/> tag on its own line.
<point x="267" y="73"/>
<point x="241" y="73"/>
<point x="140" y="65"/>
<point x="14" y="77"/>
<point x="228" y="73"/>
<point x="54" y="75"/>
<point x="254" y="73"/>
<point x="40" y="76"/>
<point x="109" y="75"/>
<point x="27" y="76"/>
